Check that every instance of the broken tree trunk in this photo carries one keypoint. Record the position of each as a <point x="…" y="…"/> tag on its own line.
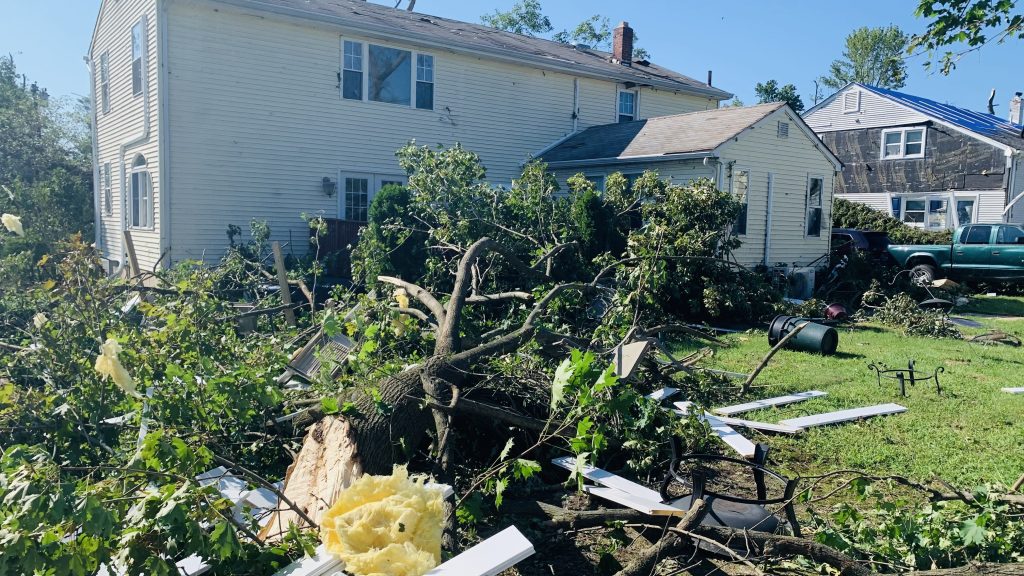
<point x="980" y="569"/>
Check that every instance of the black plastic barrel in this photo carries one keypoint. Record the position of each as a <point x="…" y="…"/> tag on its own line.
<point x="812" y="338"/>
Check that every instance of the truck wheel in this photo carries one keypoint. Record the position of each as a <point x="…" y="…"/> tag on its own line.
<point x="922" y="274"/>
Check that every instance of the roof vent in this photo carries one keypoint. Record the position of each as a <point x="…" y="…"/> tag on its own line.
<point x="581" y="47"/>
<point x="783" y="129"/>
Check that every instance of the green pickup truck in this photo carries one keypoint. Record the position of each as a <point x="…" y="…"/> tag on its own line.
<point x="980" y="253"/>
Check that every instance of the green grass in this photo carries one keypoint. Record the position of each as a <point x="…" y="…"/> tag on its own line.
<point x="972" y="433"/>
<point x="994" y="305"/>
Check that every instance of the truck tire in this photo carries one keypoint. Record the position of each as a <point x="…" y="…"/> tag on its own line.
<point x="922" y="274"/>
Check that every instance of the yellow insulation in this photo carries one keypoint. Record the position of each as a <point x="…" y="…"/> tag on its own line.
<point x="386" y="526"/>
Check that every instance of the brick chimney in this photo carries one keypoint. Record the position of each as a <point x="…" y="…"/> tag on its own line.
<point x="1017" y="109"/>
<point x="622" y="44"/>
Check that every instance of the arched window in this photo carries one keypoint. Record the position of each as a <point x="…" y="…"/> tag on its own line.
<point x="141" y="208"/>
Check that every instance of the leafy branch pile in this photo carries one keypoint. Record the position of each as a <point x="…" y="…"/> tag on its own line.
<point x="846" y="214"/>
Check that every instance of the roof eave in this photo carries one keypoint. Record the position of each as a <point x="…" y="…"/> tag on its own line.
<point x="510" y="56"/>
<point x="617" y="160"/>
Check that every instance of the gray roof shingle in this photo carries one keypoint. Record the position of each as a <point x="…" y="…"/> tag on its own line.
<point x="658" y="137"/>
<point x="374" y="18"/>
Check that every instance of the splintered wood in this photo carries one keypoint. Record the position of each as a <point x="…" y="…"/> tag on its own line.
<point x="327" y="464"/>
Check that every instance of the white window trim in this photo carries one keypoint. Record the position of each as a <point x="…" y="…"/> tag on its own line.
<point x="366" y="74"/>
<point x="150" y="214"/>
<point x="903" y="142"/>
<point x="108" y="192"/>
<point x="807" y="205"/>
<point x="746" y="196"/>
<point x="104" y="91"/>
<point x="374" y="183"/>
<point x="143" y="68"/>
<point x="927" y="198"/>
<point x="636" y="103"/>
<point x="856" y="108"/>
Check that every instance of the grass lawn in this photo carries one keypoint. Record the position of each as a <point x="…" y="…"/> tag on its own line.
<point x="972" y="433"/>
<point x="994" y="305"/>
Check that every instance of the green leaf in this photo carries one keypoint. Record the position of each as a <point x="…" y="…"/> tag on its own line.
<point x="329" y="405"/>
<point x="973" y="532"/>
<point x="224" y="541"/>
<point x="506" y="450"/>
<point x="499" y="490"/>
<point x="562" y="376"/>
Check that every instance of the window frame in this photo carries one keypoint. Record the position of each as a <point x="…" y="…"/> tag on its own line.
<point x="416" y="82"/>
<point x="108" y="193"/>
<point x="104" y="83"/>
<point x="593" y="177"/>
<point x="374" y="183"/>
<point x="782" y="131"/>
<point x="743" y="216"/>
<point x="903" y="142"/>
<point x="139" y="174"/>
<point x="820" y="207"/>
<point x="966" y="234"/>
<point x="140" y="58"/>
<point x="856" y="108"/>
<point x="365" y="73"/>
<point x="618" y="106"/>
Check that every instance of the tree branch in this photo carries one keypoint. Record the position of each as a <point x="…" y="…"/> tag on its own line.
<point x="425" y="298"/>
<point x="499" y="297"/>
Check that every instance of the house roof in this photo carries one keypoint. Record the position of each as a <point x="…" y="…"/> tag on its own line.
<point x="663" y="137"/>
<point x="987" y="125"/>
<point x="380" y="20"/>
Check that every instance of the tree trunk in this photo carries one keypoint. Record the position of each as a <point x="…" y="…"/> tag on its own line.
<point x="985" y="569"/>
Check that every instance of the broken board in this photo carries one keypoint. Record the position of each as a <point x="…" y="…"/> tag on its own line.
<point x="649" y="507"/>
<point x="734" y="439"/>
<point x="321" y="564"/>
<point x="495" y="554"/>
<point x="762" y="426"/>
<point x="607" y="479"/>
<point x="659" y="395"/>
<point x="843" y="416"/>
<point x="1014" y="390"/>
<point x="628" y="356"/>
<point x="768" y="403"/>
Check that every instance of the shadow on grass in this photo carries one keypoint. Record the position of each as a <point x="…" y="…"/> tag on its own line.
<point x="848" y="356"/>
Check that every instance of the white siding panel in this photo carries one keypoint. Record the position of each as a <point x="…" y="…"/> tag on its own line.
<point x="879" y="202"/>
<point x="257" y="121"/>
<point x="1017" y="212"/>
<point x="790" y="161"/>
<point x="654" y="102"/>
<point x="990" y="205"/>
<point x="124" y="122"/>
<point x="875" y="111"/>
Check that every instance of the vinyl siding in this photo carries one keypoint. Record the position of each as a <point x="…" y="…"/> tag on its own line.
<point x="988" y="204"/>
<point x="875" y="111"/>
<point x="125" y="122"/>
<point x="1017" y="212"/>
<point x="654" y="102"/>
<point x="257" y="121"/>
<point x="791" y="161"/>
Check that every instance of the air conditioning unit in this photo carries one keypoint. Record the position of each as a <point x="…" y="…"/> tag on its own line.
<point x="801" y="283"/>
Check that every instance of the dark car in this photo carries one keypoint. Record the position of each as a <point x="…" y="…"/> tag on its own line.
<point x="846" y="241"/>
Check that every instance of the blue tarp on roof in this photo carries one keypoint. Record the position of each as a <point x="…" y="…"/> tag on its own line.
<point x="987" y="125"/>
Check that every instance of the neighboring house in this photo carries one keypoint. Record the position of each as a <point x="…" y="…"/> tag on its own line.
<point x="217" y="112"/>
<point x="931" y="165"/>
<point x="765" y="155"/>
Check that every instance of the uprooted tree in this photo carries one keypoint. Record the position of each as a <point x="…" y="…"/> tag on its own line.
<point x="480" y="347"/>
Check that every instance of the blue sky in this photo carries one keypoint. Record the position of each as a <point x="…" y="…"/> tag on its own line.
<point x="743" y="41"/>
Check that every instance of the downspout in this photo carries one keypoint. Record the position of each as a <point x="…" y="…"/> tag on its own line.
<point x="140" y="139"/>
<point x="768" y="221"/>
<point x="96" y="189"/>
<point x="163" y="134"/>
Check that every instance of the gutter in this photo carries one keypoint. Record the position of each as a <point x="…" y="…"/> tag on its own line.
<point x="97" y="212"/>
<point x="140" y="139"/>
<point x="632" y="159"/>
<point x="509" y="56"/>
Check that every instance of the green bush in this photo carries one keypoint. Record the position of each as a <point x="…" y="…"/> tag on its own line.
<point x="846" y="214"/>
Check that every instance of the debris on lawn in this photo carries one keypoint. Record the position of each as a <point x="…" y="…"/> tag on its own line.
<point x="802" y="334"/>
<point x="1014" y="390"/>
<point x="768" y="403"/>
<point x="996" y="337"/>
<point x="903" y="375"/>
<point x="843" y="416"/>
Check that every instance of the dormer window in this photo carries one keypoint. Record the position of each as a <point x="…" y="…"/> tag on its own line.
<point x="627" y="105"/>
<point x="900" y="143"/>
<point x="851" y="102"/>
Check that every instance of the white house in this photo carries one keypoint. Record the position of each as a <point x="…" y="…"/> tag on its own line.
<point x="930" y="164"/>
<point x="217" y="112"/>
<point x="765" y="155"/>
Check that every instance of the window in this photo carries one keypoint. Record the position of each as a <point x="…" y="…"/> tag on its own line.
<point x="138" y="48"/>
<point x="424" y="82"/>
<point x="390" y="72"/>
<point x="965" y="211"/>
<point x="913" y="211"/>
<point x="381" y="181"/>
<point x="597" y="180"/>
<point x="740" y="183"/>
<point x="851" y="102"/>
<point x="352" y="75"/>
<point x="815" y="189"/>
<point x="895" y="204"/>
<point x="105" y="82"/>
<point x="783" y="130"/>
<point x="357" y="198"/>
<point x="1010" y="235"/>
<point x="937" y="212"/>
<point x="627" y="106"/>
<point x="141" y="195"/>
<point x="108" y="197"/>
<point x="977" y="235"/>
<point x="903" y="143"/>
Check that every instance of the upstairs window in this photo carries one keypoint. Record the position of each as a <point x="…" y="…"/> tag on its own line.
<point x="105" y="82"/>
<point x="627" y="106"/>
<point x="815" y="189"/>
<point x="384" y="74"/>
<point x="903" y="143"/>
<point x="740" y="183"/>
<point x="424" y="82"/>
<point x="108" y="197"/>
<point x="138" y="48"/>
<point x="352" y="75"/>
<point x="141" y="195"/>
